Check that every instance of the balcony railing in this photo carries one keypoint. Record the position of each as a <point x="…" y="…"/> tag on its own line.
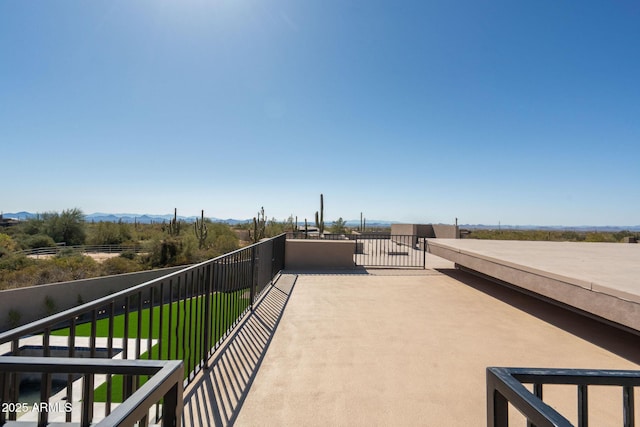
<point x="379" y="249"/>
<point x="164" y="385"/>
<point x="182" y="316"/>
<point x="505" y="386"/>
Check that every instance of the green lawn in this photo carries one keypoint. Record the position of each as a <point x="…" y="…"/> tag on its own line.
<point x="180" y="340"/>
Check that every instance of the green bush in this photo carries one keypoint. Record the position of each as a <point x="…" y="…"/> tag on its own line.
<point x="15" y="262"/>
<point x="39" y="241"/>
<point x="128" y="255"/>
<point x="119" y="265"/>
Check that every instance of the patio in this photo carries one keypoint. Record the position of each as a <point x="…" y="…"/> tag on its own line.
<point x="397" y="347"/>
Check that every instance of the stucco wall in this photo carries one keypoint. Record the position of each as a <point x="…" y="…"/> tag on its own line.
<point x="443" y="231"/>
<point x="430" y="231"/>
<point x="30" y="302"/>
<point x="302" y="254"/>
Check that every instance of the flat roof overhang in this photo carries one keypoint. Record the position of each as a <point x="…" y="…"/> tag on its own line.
<point x="598" y="279"/>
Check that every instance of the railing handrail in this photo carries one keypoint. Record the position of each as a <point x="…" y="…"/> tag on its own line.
<point x="63" y="316"/>
<point x="504" y="386"/>
<point x="165" y="378"/>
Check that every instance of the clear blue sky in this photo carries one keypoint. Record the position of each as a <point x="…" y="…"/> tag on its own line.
<point x="519" y="112"/>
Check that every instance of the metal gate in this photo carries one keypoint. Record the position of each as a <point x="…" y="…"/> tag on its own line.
<point x="394" y="251"/>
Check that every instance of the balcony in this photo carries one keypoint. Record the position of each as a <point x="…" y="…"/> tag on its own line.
<point x="359" y="346"/>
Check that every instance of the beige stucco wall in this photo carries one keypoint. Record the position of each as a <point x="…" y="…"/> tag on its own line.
<point x="302" y="254"/>
<point x="30" y="302"/>
<point x="443" y="231"/>
<point x="440" y="231"/>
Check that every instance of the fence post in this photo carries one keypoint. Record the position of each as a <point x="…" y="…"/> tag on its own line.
<point x="252" y="291"/>
<point x="207" y="317"/>
<point x="424" y="253"/>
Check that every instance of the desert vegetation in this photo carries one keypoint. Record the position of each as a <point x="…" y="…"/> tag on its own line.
<point x="165" y="244"/>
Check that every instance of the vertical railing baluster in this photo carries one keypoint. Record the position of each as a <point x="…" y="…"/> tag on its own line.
<point x="15" y="387"/>
<point x="150" y="329"/>
<point x="170" y="321"/>
<point x="107" y="406"/>
<point x="207" y="317"/>
<point x="4" y="394"/>
<point x="160" y="336"/>
<point x="186" y="354"/>
<point x="252" y="290"/>
<point x="583" y="406"/>
<point x="628" y="403"/>
<point x="94" y="332"/>
<point x="71" y="346"/>
<point x="139" y="326"/>
<point x="180" y="313"/>
<point x="87" y="400"/>
<point x="125" y="338"/>
<point x="196" y="326"/>
<point x="537" y="391"/>
<point x="45" y="384"/>
<point x="161" y="322"/>
<point x="217" y="286"/>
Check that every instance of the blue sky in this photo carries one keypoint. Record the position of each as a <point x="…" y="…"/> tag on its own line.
<point x="420" y="111"/>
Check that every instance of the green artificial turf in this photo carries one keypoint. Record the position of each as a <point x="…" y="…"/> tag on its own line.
<point x="185" y="331"/>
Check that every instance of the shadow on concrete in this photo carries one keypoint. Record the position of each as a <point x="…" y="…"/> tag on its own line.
<point x="215" y="399"/>
<point x="329" y="272"/>
<point x="613" y="339"/>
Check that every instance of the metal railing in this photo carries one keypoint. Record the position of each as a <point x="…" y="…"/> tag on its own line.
<point x="181" y="316"/>
<point x="505" y="386"/>
<point x="390" y="251"/>
<point x="379" y="249"/>
<point x="164" y="385"/>
<point x="83" y="249"/>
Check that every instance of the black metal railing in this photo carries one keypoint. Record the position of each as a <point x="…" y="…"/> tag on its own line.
<point x="390" y="251"/>
<point x="505" y="386"/>
<point x="379" y="249"/>
<point x="163" y="389"/>
<point x="181" y="316"/>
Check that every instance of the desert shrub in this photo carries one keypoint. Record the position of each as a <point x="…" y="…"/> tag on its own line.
<point x="7" y="245"/>
<point x="128" y="255"/>
<point x="119" y="265"/>
<point x="15" y="262"/>
<point x="108" y="233"/>
<point x="39" y="241"/>
<point x="162" y="253"/>
<point x="74" y="267"/>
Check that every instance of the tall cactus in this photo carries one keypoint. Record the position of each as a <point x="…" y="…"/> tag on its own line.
<point x="320" y="216"/>
<point x="259" y="226"/>
<point x="201" y="230"/>
<point x="174" y="225"/>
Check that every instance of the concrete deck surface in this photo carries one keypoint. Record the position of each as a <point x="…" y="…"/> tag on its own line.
<point x="398" y="348"/>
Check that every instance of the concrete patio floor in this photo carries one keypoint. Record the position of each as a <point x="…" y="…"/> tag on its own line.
<point x="397" y="347"/>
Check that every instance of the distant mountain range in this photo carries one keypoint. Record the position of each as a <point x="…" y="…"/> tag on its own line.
<point x="154" y="218"/>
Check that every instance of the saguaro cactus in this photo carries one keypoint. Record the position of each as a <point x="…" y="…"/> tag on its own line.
<point x="259" y="226"/>
<point x="320" y="216"/>
<point x="201" y="230"/>
<point x="174" y="225"/>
